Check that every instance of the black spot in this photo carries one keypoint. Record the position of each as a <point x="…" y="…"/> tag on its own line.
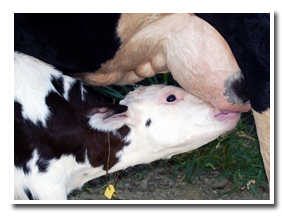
<point x="22" y="146"/>
<point x="58" y="83"/>
<point x="148" y="123"/>
<point x="240" y="87"/>
<point x="236" y="90"/>
<point x="18" y="111"/>
<point x="42" y="164"/>
<point x="29" y="194"/>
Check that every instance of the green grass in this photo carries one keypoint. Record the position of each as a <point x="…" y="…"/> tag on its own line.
<point x="235" y="155"/>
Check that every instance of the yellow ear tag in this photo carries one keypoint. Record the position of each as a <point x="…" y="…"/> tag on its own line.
<point x="109" y="191"/>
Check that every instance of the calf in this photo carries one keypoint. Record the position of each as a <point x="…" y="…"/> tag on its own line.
<point x="65" y="131"/>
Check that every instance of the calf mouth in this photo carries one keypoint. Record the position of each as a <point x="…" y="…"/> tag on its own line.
<point x="221" y="115"/>
<point x="224" y="114"/>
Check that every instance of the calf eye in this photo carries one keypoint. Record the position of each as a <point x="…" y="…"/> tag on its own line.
<point x="171" y="98"/>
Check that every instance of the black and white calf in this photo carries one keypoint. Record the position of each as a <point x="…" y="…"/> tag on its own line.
<point x="62" y="128"/>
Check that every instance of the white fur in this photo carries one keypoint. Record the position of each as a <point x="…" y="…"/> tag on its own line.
<point x="176" y="127"/>
<point x="83" y="92"/>
<point x="49" y="185"/>
<point x="68" y="82"/>
<point x="37" y="76"/>
<point x="97" y="122"/>
<point x="32" y="73"/>
<point x="62" y="176"/>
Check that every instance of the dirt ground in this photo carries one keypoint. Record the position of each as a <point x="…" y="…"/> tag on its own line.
<point x="156" y="182"/>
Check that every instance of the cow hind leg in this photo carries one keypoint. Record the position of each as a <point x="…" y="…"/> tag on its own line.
<point x="263" y="130"/>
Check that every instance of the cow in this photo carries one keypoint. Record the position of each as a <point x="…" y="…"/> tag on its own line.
<point x="248" y="36"/>
<point x="67" y="134"/>
<point x="126" y="48"/>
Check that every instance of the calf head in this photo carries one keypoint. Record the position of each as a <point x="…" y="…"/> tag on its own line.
<point x="163" y="121"/>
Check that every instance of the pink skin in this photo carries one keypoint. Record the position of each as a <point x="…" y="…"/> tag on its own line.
<point x="203" y="63"/>
<point x="217" y="114"/>
<point x="198" y="57"/>
<point x="182" y="95"/>
<point x="223" y="114"/>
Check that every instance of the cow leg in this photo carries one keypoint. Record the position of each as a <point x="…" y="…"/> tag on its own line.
<point x="263" y="130"/>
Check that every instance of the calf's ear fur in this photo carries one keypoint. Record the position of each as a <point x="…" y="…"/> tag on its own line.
<point x="104" y="117"/>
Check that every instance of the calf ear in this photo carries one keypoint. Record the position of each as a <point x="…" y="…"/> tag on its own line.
<point x="104" y="117"/>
